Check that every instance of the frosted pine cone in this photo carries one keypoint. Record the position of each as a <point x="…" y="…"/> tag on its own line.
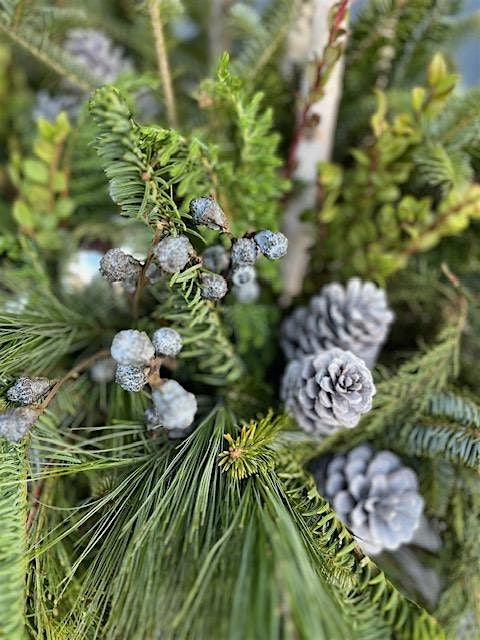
<point x="244" y="252"/>
<point x="95" y="51"/>
<point x="272" y="244"/>
<point x="375" y="495"/>
<point x="328" y="391"/>
<point x="49" y="106"/>
<point x="214" y="287"/>
<point x="216" y="258"/>
<point x="28" y="390"/>
<point x="355" y="318"/>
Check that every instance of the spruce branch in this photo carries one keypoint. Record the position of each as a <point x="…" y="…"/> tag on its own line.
<point x="162" y="61"/>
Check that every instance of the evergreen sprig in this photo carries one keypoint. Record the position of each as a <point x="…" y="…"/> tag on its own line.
<point x="13" y="539"/>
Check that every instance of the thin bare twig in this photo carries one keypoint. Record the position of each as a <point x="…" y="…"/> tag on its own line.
<point x="162" y="61"/>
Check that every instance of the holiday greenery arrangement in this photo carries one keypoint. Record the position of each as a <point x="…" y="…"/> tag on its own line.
<point x="239" y="321"/>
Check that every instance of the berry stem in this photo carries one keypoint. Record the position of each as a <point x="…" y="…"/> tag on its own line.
<point x="162" y="61"/>
<point x="81" y="366"/>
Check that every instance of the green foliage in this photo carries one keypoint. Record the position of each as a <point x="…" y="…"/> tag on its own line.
<point x="114" y="530"/>
<point x="203" y="334"/>
<point x="265" y="36"/>
<point x="43" y="202"/>
<point x="250" y="185"/>
<point x="251" y="452"/>
<point x="147" y="165"/>
<point x="13" y="563"/>
<point x="390" y="45"/>
<point x="385" y="199"/>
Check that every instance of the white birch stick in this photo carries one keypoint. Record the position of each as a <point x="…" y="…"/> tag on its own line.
<point x="314" y="145"/>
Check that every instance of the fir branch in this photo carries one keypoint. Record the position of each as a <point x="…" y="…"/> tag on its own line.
<point x="249" y="184"/>
<point x="203" y="334"/>
<point x="458" y="444"/>
<point x="456" y="407"/>
<point x="13" y="565"/>
<point x="146" y="164"/>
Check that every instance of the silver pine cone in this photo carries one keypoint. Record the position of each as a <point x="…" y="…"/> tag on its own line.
<point x="375" y="495"/>
<point x="327" y="391"/>
<point x="92" y="49"/>
<point x="355" y="317"/>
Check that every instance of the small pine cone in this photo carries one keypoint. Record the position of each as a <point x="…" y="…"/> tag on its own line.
<point x="244" y="275"/>
<point x="167" y="342"/>
<point x="375" y="495"/>
<point x="174" y="406"/>
<point x="173" y="253"/>
<point x="28" y="390"/>
<point x="355" y="318"/>
<point x="117" y="266"/>
<point x="15" y="423"/>
<point x="244" y="252"/>
<point x="208" y="212"/>
<point x="214" y="287"/>
<point x="130" y="378"/>
<point x="103" y="371"/>
<point x="132" y="347"/>
<point x="95" y="51"/>
<point x="272" y="244"/>
<point x="328" y="391"/>
<point x="216" y="258"/>
<point x="247" y="293"/>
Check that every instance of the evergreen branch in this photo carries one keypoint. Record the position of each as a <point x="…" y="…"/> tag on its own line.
<point x="458" y="444"/>
<point x="39" y="336"/>
<point x="199" y="323"/>
<point x="264" y="41"/>
<point x="249" y="185"/>
<point x="46" y="52"/>
<point x="456" y="407"/>
<point x="13" y="564"/>
<point x="145" y="165"/>
<point x="251" y="452"/>
<point x="162" y="61"/>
